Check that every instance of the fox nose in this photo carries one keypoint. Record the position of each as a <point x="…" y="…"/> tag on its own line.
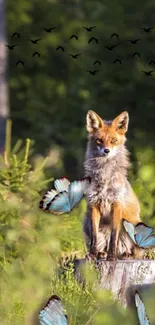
<point x="106" y="151"/>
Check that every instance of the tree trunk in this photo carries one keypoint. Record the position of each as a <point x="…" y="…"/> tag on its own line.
<point x="123" y="277"/>
<point x="4" y="110"/>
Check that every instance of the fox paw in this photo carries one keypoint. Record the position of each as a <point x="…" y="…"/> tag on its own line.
<point x="126" y="256"/>
<point x="102" y="255"/>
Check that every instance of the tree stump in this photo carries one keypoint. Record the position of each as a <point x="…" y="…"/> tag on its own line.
<point x="123" y="277"/>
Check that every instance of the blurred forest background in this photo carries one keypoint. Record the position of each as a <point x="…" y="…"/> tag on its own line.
<point x="47" y="100"/>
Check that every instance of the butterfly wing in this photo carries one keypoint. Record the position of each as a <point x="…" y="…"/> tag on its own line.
<point x="142" y="235"/>
<point x="52" y="313"/>
<point x="143" y="319"/>
<point x="129" y="227"/>
<point x="148" y="242"/>
<point x="60" y="204"/>
<point x="76" y="191"/>
<point x="61" y="184"/>
<point x="48" y="197"/>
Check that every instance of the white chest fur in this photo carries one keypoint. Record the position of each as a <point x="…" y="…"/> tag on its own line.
<point x="107" y="189"/>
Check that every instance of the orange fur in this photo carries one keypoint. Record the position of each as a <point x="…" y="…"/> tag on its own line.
<point x="107" y="133"/>
<point x="95" y="217"/>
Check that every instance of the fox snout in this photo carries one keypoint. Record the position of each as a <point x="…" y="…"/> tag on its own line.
<point x="103" y="151"/>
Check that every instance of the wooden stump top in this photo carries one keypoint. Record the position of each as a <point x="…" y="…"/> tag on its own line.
<point x="123" y="277"/>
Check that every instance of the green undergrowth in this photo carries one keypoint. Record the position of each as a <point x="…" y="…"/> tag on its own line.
<point x="34" y="246"/>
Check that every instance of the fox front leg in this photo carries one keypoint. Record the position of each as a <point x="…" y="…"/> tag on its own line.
<point x="95" y="220"/>
<point x="116" y="222"/>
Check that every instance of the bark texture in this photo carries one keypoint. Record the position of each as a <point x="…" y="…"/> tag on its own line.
<point x="123" y="277"/>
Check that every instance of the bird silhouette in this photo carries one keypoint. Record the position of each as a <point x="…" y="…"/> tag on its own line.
<point x="75" y="56"/>
<point x="151" y="62"/>
<point x="110" y="48"/>
<point x="48" y="30"/>
<point x="93" y="72"/>
<point x="114" y="34"/>
<point x="93" y="39"/>
<point x="11" y="47"/>
<point x="60" y="48"/>
<point x="147" y="30"/>
<point x="20" y="61"/>
<point x="35" y="41"/>
<point x="89" y="29"/>
<point x="136" y="53"/>
<point x="148" y="73"/>
<point x="117" y="60"/>
<point x="97" y="61"/>
<point x="134" y="41"/>
<point x="36" y="53"/>
<point x="16" y="34"/>
<point x="74" y="36"/>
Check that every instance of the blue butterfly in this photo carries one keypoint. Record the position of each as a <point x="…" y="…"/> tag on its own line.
<point x="141" y="234"/>
<point x="60" y="186"/>
<point x="143" y="319"/>
<point x="65" y="196"/>
<point x="52" y="313"/>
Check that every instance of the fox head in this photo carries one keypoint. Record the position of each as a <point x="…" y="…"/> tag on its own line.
<point x="106" y="137"/>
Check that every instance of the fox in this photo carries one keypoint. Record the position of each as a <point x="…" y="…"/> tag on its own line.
<point x="110" y="197"/>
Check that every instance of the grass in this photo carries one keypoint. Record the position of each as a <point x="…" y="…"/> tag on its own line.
<point x="31" y="245"/>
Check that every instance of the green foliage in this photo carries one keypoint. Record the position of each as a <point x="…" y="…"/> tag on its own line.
<point x="49" y="99"/>
<point x="33" y="250"/>
<point x="55" y="91"/>
<point x="144" y="183"/>
<point x="82" y="304"/>
<point x="32" y="242"/>
<point x="59" y="90"/>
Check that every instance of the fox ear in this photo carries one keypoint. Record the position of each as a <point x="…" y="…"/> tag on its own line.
<point x="121" y="122"/>
<point x="94" y="121"/>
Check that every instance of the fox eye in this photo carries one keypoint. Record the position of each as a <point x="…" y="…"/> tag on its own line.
<point x="114" y="140"/>
<point x="99" y="141"/>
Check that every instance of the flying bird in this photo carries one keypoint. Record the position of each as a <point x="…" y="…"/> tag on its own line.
<point x="11" y="47"/>
<point x="148" y="73"/>
<point x="93" y="73"/>
<point x="36" y="53"/>
<point x="35" y="41"/>
<point x="114" y="34"/>
<point x="75" y="56"/>
<point x="134" y="41"/>
<point x="60" y="48"/>
<point x="147" y="30"/>
<point x="48" y="30"/>
<point x="74" y="36"/>
<point x="117" y="60"/>
<point x="93" y="39"/>
<point x="16" y="34"/>
<point x="20" y="62"/>
<point x="89" y="29"/>
<point x="97" y="61"/>
<point x="136" y="53"/>
<point x="151" y="62"/>
<point x="110" y="48"/>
